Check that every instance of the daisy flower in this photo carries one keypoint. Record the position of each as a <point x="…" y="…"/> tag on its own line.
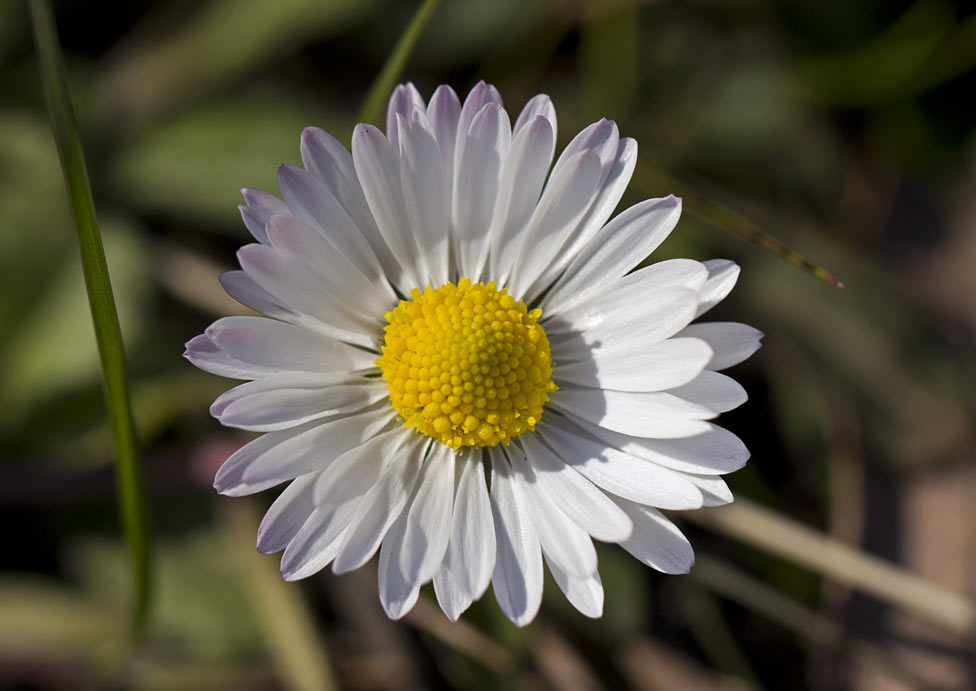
<point x="460" y="367"/>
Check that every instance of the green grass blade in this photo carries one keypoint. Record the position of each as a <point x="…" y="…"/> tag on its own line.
<point x="388" y="76"/>
<point x="719" y="216"/>
<point x="132" y="493"/>
<point x="766" y="529"/>
<point x="723" y="218"/>
<point x="219" y="44"/>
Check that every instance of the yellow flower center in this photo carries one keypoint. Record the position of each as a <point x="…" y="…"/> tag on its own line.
<point x="467" y="364"/>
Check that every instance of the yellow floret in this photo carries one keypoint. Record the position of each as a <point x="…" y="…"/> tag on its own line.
<point x="467" y="364"/>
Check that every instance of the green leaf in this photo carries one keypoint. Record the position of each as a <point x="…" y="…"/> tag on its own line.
<point x="43" y="355"/>
<point x="41" y="614"/>
<point x="33" y="203"/>
<point x="219" y="44"/>
<point x="193" y="166"/>
<point x="885" y="67"/>
<point x="393" y="68"/>
<point x="200" y="600"/>
<point x="108" y="333"/>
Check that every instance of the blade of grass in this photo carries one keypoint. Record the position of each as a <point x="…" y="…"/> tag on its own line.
<point x="298" y="650"/>
<point x="752" y="593"/>
<point x="719" y="216"/>
<point x="462" y="637"/>
<point x="712" y="632"/>
<point x="132" y="493"/>
<point x="174" y="63"/>
<point x="609" y="53"/>
<point x="765" y="529"/>
<point x="890" y="66"/>
<point x="383" y="84"/>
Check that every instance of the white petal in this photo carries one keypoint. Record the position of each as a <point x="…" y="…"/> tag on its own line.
<point x="620" y="473"/>
<point x="618" y="248"/>
<point x="471" y="553"/>
<point x="537" y="106"/>
<point x="242" y="288"/>
<point x="517" y="578"/>
<point x="310" y="200"/>
<point x="260" y="207"/>
<point x="378" y="169"/>
<point x="379" y="507"/>
<point x="578" y="498"/>
<point x="617" y="173"/>
<point x="296" y="286"/>
<point x="480" y="95"/>
<point x="444" y="110"/>
<point x="262" y="202"/>
<point x="731" y="342"/>
<point x="276" y="457"/>
<point x="429" y="518"/>
<point x="686" y="273"/>
<point x="565" y="199"/>
<point x="563" y="541"/>
<point x="329" y="274"/>
<point x="600" y="138"/>
<point x="712" y="391"/>
<point x="713" y="489"/>
<point x="286" y="515"/>
<point x="631" y="365"/>
<point x="273" y="345"/>
<point x="403" y="100"/>
<point x="425" y="193"/>
<point x="656" y="541"/>
<point x="202" y="352"/>
<point x="658" y="414"/>
<point x="722" y="275"/>
<point x="585" y="594"/>
<point x="318" y="541"/>
<point x="357" y="469"/>
<point x="633" y="292"/>
<point x="712" y="452"/>
<point x="284" y="380"/>
<point x="617" y="166"/>
<point x="522" y="177"/>
<point x="603" y="139"/>
<point x="483" y="147"/>
<point x="255" y="223"/>
<point x="396" y="594"/>
<point x="658" y="316"/>
<point x="329" y="160"/>
<point x="281" y="401"/>
<point x="325" y="157"/>
<point x="452" y="599"/>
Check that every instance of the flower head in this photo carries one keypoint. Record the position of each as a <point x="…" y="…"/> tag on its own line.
<point x="460" y="367"/>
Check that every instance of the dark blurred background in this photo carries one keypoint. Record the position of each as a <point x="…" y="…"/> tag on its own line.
<point x="845" y="129"/>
